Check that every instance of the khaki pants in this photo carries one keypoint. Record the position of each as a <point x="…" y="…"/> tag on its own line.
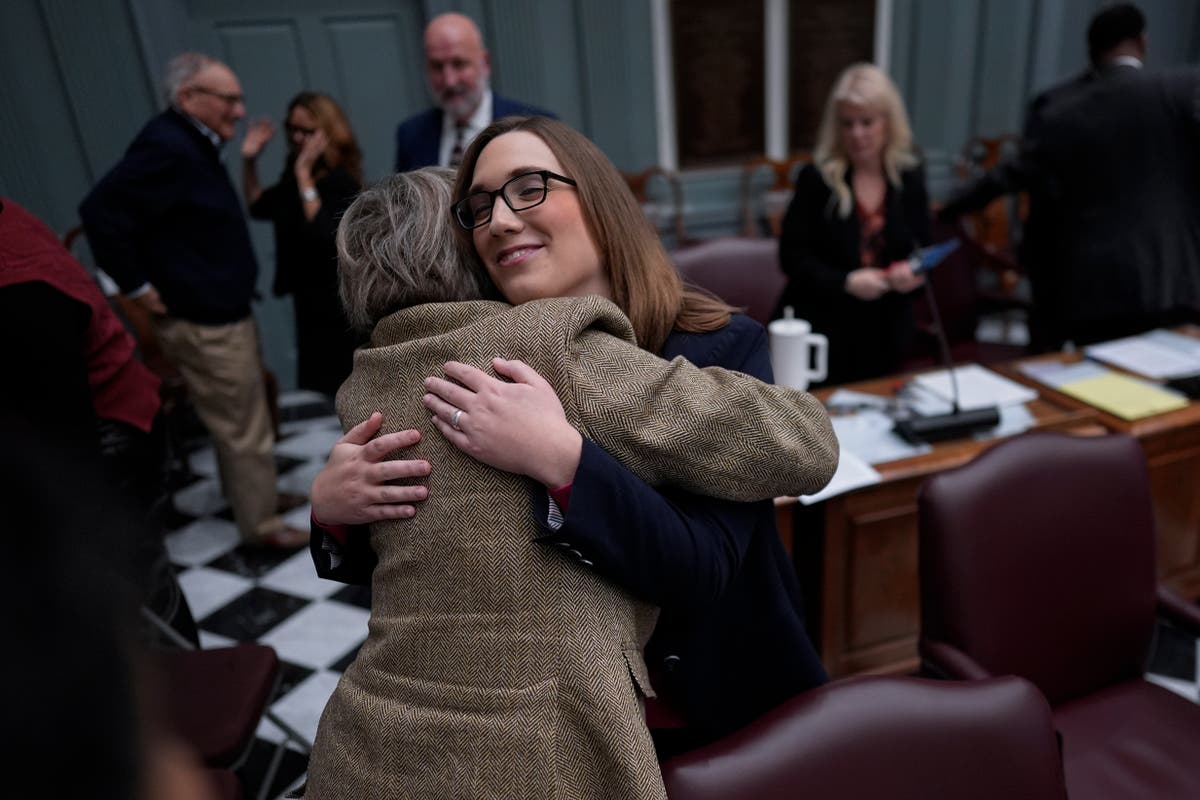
<point x="222" y="369"/>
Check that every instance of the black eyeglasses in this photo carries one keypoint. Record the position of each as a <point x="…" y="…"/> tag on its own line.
<point x="292" y="130"/>
<point x="231" y="99"/>
<point x="520" y="194"/>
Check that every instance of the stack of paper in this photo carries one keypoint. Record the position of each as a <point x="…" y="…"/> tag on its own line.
<point x="977" y="387"/>
<point x="1157" y="354"/>
<point x="1121" y="395"/>
<point x="1124" y="396"/>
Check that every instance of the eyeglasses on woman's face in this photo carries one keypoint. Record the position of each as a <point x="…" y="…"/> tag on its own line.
<point x="520" y="193"/>
<point x="298" y="130"/>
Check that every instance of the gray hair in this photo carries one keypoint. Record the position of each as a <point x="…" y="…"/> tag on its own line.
<point x="181" y="69"/>
<point x="397" y="248"/>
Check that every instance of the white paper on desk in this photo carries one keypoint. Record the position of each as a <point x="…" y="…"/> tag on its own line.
<point x="852" y="473"/>
<point x="1157" y="354"/>
<point x="852" y="400"/>
<point x="869" y="435"/>
<point x="1056" y="374"/>
<point x="977" y="387"/>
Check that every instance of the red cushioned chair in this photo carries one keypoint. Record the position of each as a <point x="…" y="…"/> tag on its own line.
<point x="741" y="271"/>
<point x="900" y="738"/>
<point x="1037" y="559"/>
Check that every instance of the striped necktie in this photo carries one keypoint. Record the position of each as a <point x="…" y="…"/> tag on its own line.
<point x="456" y="153"/>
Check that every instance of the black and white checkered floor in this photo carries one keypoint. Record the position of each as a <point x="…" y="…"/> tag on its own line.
<point x="317" y="626"/>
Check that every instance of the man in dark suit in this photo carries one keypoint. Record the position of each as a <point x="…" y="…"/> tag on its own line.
<point x="166" y="224"/>
<point x="1112" y="163"/>
<point x="459" y="70"/>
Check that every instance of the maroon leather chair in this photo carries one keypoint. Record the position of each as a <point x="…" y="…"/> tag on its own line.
<point x="900" y="738"/>
<point x="215" y="698"/>
<point x="741" y="271"/>
<point x="1037" y="559"/>
<point x="213" y="701"/>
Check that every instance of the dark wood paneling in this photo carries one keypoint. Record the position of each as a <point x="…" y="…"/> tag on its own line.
<point x="718" y="69"/>
<point x="825" y="37"/>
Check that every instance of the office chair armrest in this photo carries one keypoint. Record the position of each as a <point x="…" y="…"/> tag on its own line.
<point x="947" y="661"/>
<point x="1178" y="611"/>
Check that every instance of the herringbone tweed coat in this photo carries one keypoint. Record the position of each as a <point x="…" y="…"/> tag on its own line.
<point x="494" y="667"/>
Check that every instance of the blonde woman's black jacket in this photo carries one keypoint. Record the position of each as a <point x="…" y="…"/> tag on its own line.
<point x="817" y="250"/>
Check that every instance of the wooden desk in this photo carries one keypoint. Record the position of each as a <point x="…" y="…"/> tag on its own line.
<point x="862" y="596"/>
<point x="1171" y="442"/>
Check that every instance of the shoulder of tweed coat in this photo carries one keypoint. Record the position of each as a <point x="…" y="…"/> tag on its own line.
<point x="711" y="431"/>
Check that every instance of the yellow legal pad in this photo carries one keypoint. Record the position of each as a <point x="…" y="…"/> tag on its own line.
<point x="1123" y="396"/>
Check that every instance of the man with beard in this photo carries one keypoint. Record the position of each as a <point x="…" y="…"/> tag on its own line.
<point x="459" y="74"/>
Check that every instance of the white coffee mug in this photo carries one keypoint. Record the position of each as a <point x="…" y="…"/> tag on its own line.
<point x="793" y="349"/>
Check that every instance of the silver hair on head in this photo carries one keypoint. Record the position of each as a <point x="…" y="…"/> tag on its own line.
<point x="397" y="248"/>
<point x="181" y="69"/>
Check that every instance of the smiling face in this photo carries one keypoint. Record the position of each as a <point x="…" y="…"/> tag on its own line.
<point x="214" y="97"/>
<point x="862" y="133"/>
<point x="544" y="251"/>
<point x="457" y="65"/>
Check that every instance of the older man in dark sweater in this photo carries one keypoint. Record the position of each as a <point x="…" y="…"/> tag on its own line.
<point x="166" y="224"/>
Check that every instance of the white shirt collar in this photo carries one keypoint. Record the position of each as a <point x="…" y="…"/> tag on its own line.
<point x="473" y="127"/>
<point x="208" y="132"/>
<point x="1126" y="61"/>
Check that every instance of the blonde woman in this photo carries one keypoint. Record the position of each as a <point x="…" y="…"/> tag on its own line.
<point x="321" y="176"/>
<point x="859" y="211"/>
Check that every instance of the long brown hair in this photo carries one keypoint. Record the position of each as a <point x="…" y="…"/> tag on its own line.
<point x="644" y="282"/>
<point x="343" y="150"/>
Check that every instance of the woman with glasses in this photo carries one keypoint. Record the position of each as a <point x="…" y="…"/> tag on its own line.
<point x="494" y="666"/>
<point x="321" y="175"/>
<point x="859" y="211"/>
<point x="730" y="642"/>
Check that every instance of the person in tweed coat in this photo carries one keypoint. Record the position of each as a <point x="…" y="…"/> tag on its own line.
<point x="495" y="668"/>
<point x="730" y="643"/>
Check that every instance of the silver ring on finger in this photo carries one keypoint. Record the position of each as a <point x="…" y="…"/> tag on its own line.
<point x="454" y="419"/>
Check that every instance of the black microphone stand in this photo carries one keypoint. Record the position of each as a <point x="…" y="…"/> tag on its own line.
<point x="957" y="423"/>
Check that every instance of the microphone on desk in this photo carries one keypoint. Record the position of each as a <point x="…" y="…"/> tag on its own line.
<point x="957" y="423"/>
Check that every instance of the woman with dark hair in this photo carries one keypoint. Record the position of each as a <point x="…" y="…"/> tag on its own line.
<point x="321" y="175"/>
<point x="547" y="215"/>
<point x="859" y="211"/>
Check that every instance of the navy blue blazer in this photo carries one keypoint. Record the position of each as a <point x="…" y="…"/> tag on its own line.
<point x="167" y="213"/>
<point x="730" y="643"/>
<point x="418" y="137"/>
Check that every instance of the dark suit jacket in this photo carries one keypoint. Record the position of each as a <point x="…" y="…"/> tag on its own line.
<point x="1038" y="236"/>
<point x="730" y="642"/>
<point x="1013" y="174"/>
<point x="1111" y="162"/>
<point x="167" y="213"/>
<point x="418" y="137"/>
<point x="1121" y="157"/>
<point x="818" y="249"/>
